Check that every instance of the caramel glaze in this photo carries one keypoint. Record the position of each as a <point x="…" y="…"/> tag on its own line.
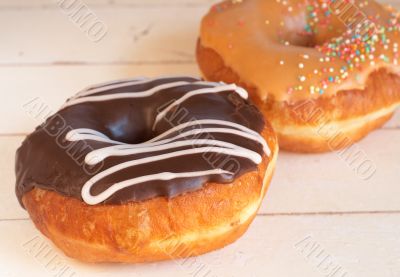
<point x="266" y="44"/>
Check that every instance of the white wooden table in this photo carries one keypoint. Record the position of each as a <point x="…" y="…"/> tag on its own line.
<point x="319" y="217"/>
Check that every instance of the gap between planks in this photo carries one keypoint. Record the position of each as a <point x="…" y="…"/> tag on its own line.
<point x="52" y="4"/>
<point x="347" y="213"/>
<point x="108" y="6"/>
<point x="109" y="63"/>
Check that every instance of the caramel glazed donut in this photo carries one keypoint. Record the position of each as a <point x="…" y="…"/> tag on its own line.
<point x="324" y="72"/>
<point x="147" y="169"/>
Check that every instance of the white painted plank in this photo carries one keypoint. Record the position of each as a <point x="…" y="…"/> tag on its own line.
<point x="395" y="121"/>
<point x="52" y="85"/>
<point x="10" y="207"/>
<point x="302" y="183"/>
<point x="331" y="182"/>
<point x="133" y="35"/>
<point x="21" y="4"/>
<point x="361" y="245"/>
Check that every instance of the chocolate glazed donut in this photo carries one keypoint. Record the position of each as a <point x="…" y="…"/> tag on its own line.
<point x="131" y="171"/>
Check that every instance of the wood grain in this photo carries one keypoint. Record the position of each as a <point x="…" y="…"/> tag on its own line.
<point x="140" y="35"/>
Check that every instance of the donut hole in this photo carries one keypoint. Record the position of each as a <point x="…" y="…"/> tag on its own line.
<point x="130" y="129"/>
<point x="296" y="31"/>
<point x="301" y="40"/>
<point x="308" y="40"/>
<point x="130" y="135"/>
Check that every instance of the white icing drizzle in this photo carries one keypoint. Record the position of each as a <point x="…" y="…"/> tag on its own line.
<point x="95" y="199"/>
<point x="204" y="122"/>
<point x="201" y="150"/>
<point x="99" y="155"/>
<point x="190" y="94"/>
<point x="172" y="139"/>
<point x="140" y="94"/>
<point x="89" y="134"/>
<point x="120" y="83"/>
<point x="215" y="146"/>
<point x="121" y="149"/>
<point x="111" y="83"/>
<point x="87" y="96"/>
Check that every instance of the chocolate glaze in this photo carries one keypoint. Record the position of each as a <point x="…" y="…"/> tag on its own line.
<point x="47" y="160"/>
